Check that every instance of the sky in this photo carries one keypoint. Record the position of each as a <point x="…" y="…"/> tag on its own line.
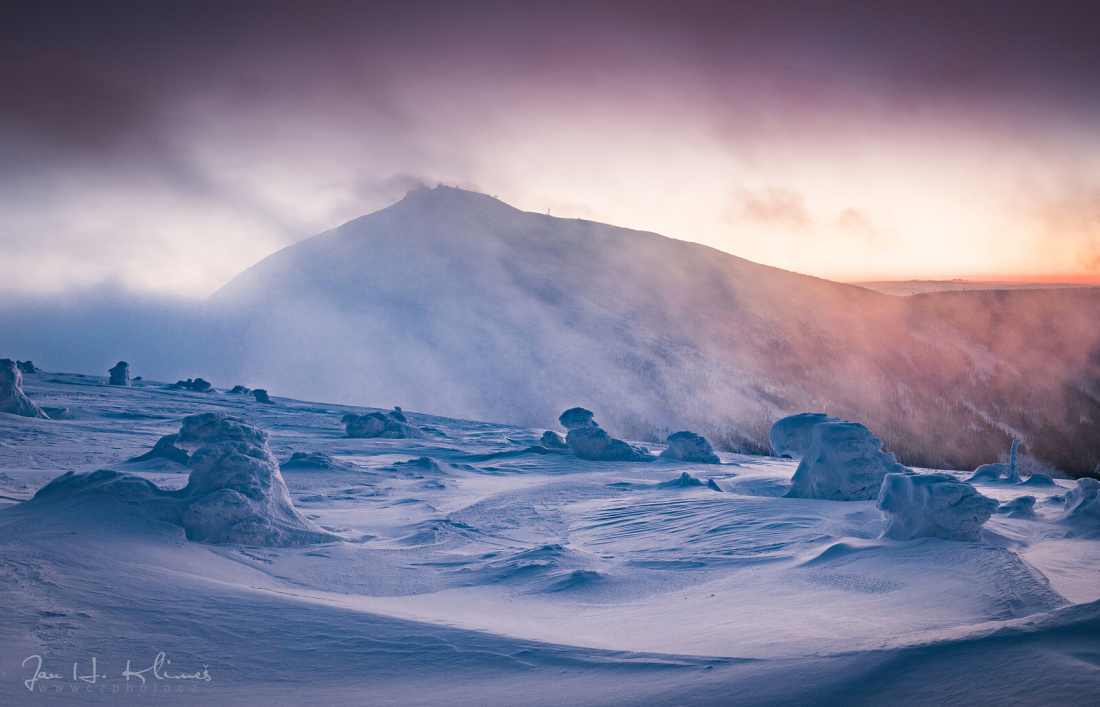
<point x="164" y="147"/>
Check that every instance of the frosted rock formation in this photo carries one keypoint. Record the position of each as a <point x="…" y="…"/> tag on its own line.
<point x="398" y="415"/>
<point x="932" y="506"/>
<point x="12" y="398"/>
<point x="261" y="396"/>
<point x="120" y="374"/>
<point x="994" y="472"/>
<point x="27" y="367"/>
<point x="240" y="390"/>
<point x="1083" y="502"/>
<point x="690" y="447"/>
<point x="577" y="418"/>
<point x="793" y="435"/>
<point x="595" y="445"/>
<point x="552" y="440"/>
<point x="1021" y="507"/>
<point x="377" y="424"/>
<point x="235" y="493"/>
<point x="310" y="460"/>
<point x="198" y="385"/>
<point x="844" y="462"/>
<point x="165" y="448"/>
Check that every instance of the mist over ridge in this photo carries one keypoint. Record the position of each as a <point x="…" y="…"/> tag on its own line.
<point x="452" y="302"/>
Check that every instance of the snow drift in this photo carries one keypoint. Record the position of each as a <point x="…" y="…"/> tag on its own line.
<point x="12" y="398"/>
<point x="1083" y="501"/>
<point x="234" y="495"/>
<point x="932" y="506"/>
<point x="843" y="462"/>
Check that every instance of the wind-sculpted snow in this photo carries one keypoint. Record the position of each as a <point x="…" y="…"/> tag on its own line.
<point x="1019" y="507"/>
<point x="595" y="445"/>
<point x="165" y="448"/>
<point x="844" y="462"/>
<point x="690" y="447"/>
<point x="235" y="493"/>
<point x="12" y="398"/>
<point x="933" y="506"/>
<point x="793" y="435"/>
<point x="576" y="418"/>
<point x="1083" y="501"/>
<point x="384" y="425"/>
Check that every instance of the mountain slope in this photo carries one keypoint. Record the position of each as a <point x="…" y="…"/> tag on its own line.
<point x="454" y="303"/>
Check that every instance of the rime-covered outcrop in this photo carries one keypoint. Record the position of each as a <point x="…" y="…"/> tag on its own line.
<point x="120" y="374"/>
<point x="383" y="425"/>
<point x="12" y="398"/>
<point x="690" y="447"/>
<point x="235" y="493"/>
<point x="933" y="506"/>
<point x="793" y="435"/>
<point x="844" y="462"/>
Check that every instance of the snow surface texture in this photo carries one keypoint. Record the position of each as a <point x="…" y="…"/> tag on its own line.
<point x="690" y="447"/>
<point x="793" y="435"/>
<point x="12" y="398"/>
<point x="844" y="461"/>
<point x="120" y="374"/>
<point x="480" y="572"/>
<point x="235" y="493"/>
<point x="933" y="506"/>
<point x="384" y="425"/>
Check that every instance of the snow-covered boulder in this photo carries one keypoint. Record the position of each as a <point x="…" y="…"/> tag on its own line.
<point x="932" y="506"/>
<point x="235" y="493"/>
<point x="165" y="448"/>
<point x="12" y="398"/>
<point x="27" y="367"/>
<point x="595" y="445"/>
<point x="120" y="374"/>
<point x="398" y="414"/>
<point x="997" y="470"/>
<point x="690" y="447"/>
<point x="377" y="424"/>
<point x="310" y="460"/>
<point x="1083" y="501"/>
<point x="552" y="440"/>
<point x="240" y="390"/>
<point x="197" y="384"/>
<point x="577" y="418"/>
<point x="844" y="462"/>
<point x="261" y="395"/>
<point x="793" y="435"/>
<point x="1020" y="507"/>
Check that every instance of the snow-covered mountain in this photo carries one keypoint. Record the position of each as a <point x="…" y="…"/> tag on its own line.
<point x="455" y="303"/>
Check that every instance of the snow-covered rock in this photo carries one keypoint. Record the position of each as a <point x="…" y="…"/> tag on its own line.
<point x="844" y="462"/>
<point x="240" y="390"/>
<point x="120" y="374"/>
<point x="577" y="418"/>
<point x="793" y="435"/>
<point x="1019" y="507"/>
<point x="690" y="447"/>
<point x="27" y="367"/>
<point x="235" y="493"/>
<point x="165" y="448"/>
<point x="196" y="384"/>
<point x="1083" y="501"/>
<point x="12" y="398"/>
<point x="261" y="395"/>
<point x="997" y="470"/>
<point x="595" y="444"/>
<point x="932" y="506"/>
<point x="1039" y="479"/>
<point x="377" y="424"/>
<point x="552" y="440"/>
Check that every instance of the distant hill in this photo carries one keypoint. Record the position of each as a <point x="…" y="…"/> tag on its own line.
<point x="454" y="303"/>
<point x="916" y="287"/>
